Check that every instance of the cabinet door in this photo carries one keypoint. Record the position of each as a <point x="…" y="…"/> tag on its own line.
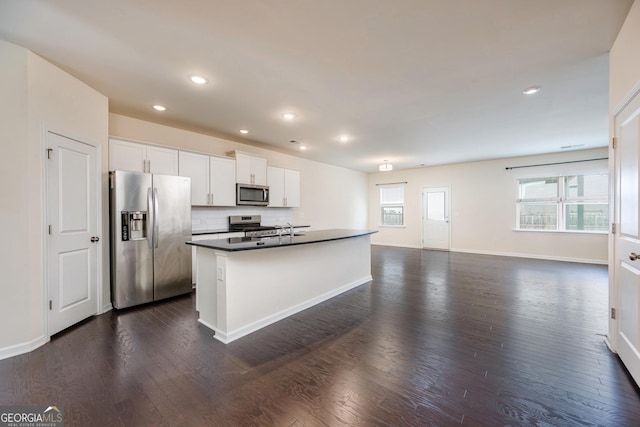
<point x="222" y="181"/>
<point x="259" y="169"/>
<point x="292" y="188"/>
<point x="275" y="181"/>
<point x="127" y="156"/>
<point x="196" y="167"/>
<point x="162" y="160"/>
<point x="251" y="169"/>
<point x="243" y="169"/>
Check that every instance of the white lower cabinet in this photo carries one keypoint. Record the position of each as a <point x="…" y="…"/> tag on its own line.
<point x="212" y="178"/>
<point x="284" y="187"/>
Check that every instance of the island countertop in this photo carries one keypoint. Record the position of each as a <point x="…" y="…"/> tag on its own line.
<point x="234" y="244"/>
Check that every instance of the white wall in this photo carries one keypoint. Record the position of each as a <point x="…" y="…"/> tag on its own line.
<point x="483" y="208"/>
<point x="18" y="323"/>
<point x="332" y="197"/>
<point x="34" y="96"/>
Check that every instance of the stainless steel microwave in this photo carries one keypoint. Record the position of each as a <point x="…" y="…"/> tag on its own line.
<point x="253" y="195"/>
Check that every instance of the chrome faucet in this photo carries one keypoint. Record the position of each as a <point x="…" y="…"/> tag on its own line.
<point x="290" y="229"/>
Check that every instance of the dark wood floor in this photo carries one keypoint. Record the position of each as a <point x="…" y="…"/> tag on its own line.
<point x="436" y="339"/>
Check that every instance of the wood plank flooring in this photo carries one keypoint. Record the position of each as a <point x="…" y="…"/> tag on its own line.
<point x="436" y="338"/>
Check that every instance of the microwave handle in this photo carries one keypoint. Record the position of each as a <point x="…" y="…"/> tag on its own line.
<point x="265" y="194"/>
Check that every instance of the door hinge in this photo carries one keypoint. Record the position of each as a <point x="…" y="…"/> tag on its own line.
<point x="50" y="229"/>
<point x="613" y="313"/>
<point x="49" y="151"/>
<point x="614" y="142"/>
<point x="613" y="228"/>
<point x="50" y="305"/>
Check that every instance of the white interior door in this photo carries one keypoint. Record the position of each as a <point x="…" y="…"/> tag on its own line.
<point x="72" y="218"/>
<point x="627" y="237"/>
<point x="435" y="214"/>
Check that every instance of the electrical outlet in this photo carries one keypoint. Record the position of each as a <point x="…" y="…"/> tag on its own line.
<point x="220" y="273"/>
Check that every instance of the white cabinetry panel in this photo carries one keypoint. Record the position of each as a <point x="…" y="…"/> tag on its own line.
<point x="284" y="187"/>
<point x="212" y="179"/>
<point x="137" y="157"/>
<point x="250" y="169"/>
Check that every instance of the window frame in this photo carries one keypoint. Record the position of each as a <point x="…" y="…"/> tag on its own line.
<point x="562" y="202"/>
<point x="394" y="204"/>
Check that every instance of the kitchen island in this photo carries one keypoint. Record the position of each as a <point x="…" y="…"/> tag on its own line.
<point x="245" y="284"/>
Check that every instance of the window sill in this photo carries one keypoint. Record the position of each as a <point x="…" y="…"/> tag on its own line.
<point x="392" y="226"/>
<point x="604" y="233"/>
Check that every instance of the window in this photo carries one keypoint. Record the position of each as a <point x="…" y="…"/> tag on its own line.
<point x="392" y="204"/>
<point x="564" y="203"/>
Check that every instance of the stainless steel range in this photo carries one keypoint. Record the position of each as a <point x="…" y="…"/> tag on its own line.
<point x="251" y="225"/>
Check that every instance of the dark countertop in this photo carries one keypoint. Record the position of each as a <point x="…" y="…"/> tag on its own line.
<point x="201" y="232"/>
<point x="303" y="238"/>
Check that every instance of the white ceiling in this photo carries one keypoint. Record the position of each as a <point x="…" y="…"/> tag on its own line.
<point x="411" y="81"/>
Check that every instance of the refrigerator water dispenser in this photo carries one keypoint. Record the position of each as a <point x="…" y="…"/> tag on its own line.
<point x="134" y="225"/>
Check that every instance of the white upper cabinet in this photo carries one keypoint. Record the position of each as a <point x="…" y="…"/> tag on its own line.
<point x="284" y="187"/>
<point x="222" y="181"/>
<point x="275" y="180"/>
<point x="136" y="157"/>
<point x="292" y="188"/>
<point x="250" y="169"/>
<point x="196" y="167"/>
<point x="212" y="179"/>
<point x="162" y="160"/>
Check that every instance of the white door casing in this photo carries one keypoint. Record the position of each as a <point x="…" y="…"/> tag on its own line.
<point x="626" y="288"/>
<point x="435" y="218"/>
<point x="72" y="217"/>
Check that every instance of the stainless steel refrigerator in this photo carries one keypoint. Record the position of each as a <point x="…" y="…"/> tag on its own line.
<point x="150" y="223"/>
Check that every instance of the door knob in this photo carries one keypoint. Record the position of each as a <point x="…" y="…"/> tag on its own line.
<point x="95" y="239"/>
<point x="633" y="256"/>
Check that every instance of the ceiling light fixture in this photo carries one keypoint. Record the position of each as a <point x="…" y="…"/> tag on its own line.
<point x="385" y="167"/>
<point x="288" y="116"/>
<point x="303" y="147"/>
<point x="244" y="131"/>
<point x="199" y="80"/>
<point x="159" y="108"/>
<point x="531" y="90"/>
<point x="344" y="138"/>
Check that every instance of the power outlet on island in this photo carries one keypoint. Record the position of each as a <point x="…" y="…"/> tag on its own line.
<point x="220" y="273"/>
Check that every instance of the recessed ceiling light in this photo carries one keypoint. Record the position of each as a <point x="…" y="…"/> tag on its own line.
<point x="344" y="138"/>
<point x="159" y="107"/>
<point x="199" y="80"/>
<point x="531" y="90"/>
<point x="288" y="116"/>
<point x="303" y="147"/>
<point x="244" y="131"/>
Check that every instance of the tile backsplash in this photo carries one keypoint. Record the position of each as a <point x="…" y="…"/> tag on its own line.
<point x="204" y="218"/>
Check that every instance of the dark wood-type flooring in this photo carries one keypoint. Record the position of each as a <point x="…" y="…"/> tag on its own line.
<point x="436" y="339"/>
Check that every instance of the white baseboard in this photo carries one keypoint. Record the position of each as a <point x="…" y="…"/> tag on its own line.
<point x="266" y="321"/>
<point x="395" y="245"/>
<point x="608" y="343"/>
<point x="106" y="307"/>
<point x="17" y="349"/>
<point x="532" y="256"/>
<point x="510" y="254"/>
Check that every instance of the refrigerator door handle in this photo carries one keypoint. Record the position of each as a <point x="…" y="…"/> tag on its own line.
<point x="156" y="226"/>
<point x="150" y="219"/>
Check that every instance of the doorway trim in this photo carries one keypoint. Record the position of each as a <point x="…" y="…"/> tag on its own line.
<point x="46" y="129"/>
